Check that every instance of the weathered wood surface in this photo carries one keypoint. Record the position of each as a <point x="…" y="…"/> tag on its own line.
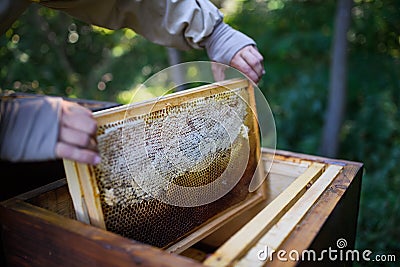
<point x="248" y="235"/>
<point x="38" y="232"/>
<point x="34" y="236"/>
<point x="76" y="191"/>
<point x="214" y="224"/>
<point x="336" y="202"/>
<point x="338" y="205"/>
<point x="286" y="224"/>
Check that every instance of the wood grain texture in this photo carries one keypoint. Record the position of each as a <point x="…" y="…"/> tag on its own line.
<point x="76" y="191"/>
<point x="313" y="222"/>
<point x="91" y="195"/>
<point x="36" y="230"/>
<point x="248" y="235"/>
<point x="214" y="224"/>
<point x="282" y="229"/>
<point x="84" y="186"/>
<point x="34" y="236"/>
<point x="119" y="113"/>
<point x="259" y="173"/>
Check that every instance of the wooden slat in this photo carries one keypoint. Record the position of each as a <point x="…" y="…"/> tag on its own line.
<point x="40" y="190"/>
<point x="282" y="229"/>
<point x="301" y="157"/>
<point x="214" y="224"/>
<point x="57" y="200"/>
<point x="275" y="184"/>
<point x="75" y="190"/>
<point x="287" y="168"/>
<point x="91" y="195"/>
<point x="136" y="109"/>
<point x="328" y="208"/>
<point x="259" y="173"/>
<point x="33" y="236"/>
<point x="238" y="244"/>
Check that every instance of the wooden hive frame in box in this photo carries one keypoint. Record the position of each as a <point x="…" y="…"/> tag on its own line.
<point x="84" y="188"/>
<point x="277" y="221"/>
<point x="311" y="203"/>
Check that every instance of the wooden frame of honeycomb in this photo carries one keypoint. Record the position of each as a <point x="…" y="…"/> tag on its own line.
<point x="89" y="201"/>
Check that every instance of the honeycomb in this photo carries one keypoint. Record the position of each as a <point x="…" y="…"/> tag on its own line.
<point x="178" y="152"/>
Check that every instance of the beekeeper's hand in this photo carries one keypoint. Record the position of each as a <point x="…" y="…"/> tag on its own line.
<point x="77" y="134"/>
<point x="249" y="61"/>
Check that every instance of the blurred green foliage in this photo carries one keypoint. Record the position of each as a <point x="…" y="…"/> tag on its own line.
<point x="49" y="52"/>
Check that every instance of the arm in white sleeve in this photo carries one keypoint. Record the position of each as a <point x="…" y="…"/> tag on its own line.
<point x="29" y="128"/>
<point x="225" y="42"/>
<point x="183" y="24"/>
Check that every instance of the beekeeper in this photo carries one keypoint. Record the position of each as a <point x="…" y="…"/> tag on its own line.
<point x="46" y="128"/>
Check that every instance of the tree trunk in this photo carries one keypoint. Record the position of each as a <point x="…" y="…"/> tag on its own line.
<point x="174" y="58"/>
<point x="338" y="79"/>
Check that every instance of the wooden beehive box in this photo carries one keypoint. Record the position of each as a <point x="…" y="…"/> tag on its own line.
<point x="311" y="202"/>
<point x="302" y="198"/>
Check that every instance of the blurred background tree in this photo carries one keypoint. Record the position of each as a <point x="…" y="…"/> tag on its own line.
<point x="48" y="52"/>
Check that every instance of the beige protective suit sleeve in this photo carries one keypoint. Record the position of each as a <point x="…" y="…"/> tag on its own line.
<point x="29" y="128"/>
<point x="183" y="24"/>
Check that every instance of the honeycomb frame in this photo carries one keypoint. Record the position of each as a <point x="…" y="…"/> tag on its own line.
<point x="89" y="201"/>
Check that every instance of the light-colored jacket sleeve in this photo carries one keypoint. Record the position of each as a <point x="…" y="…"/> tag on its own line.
<point x="29" y="128"/>
<point x="183" y="24"/>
